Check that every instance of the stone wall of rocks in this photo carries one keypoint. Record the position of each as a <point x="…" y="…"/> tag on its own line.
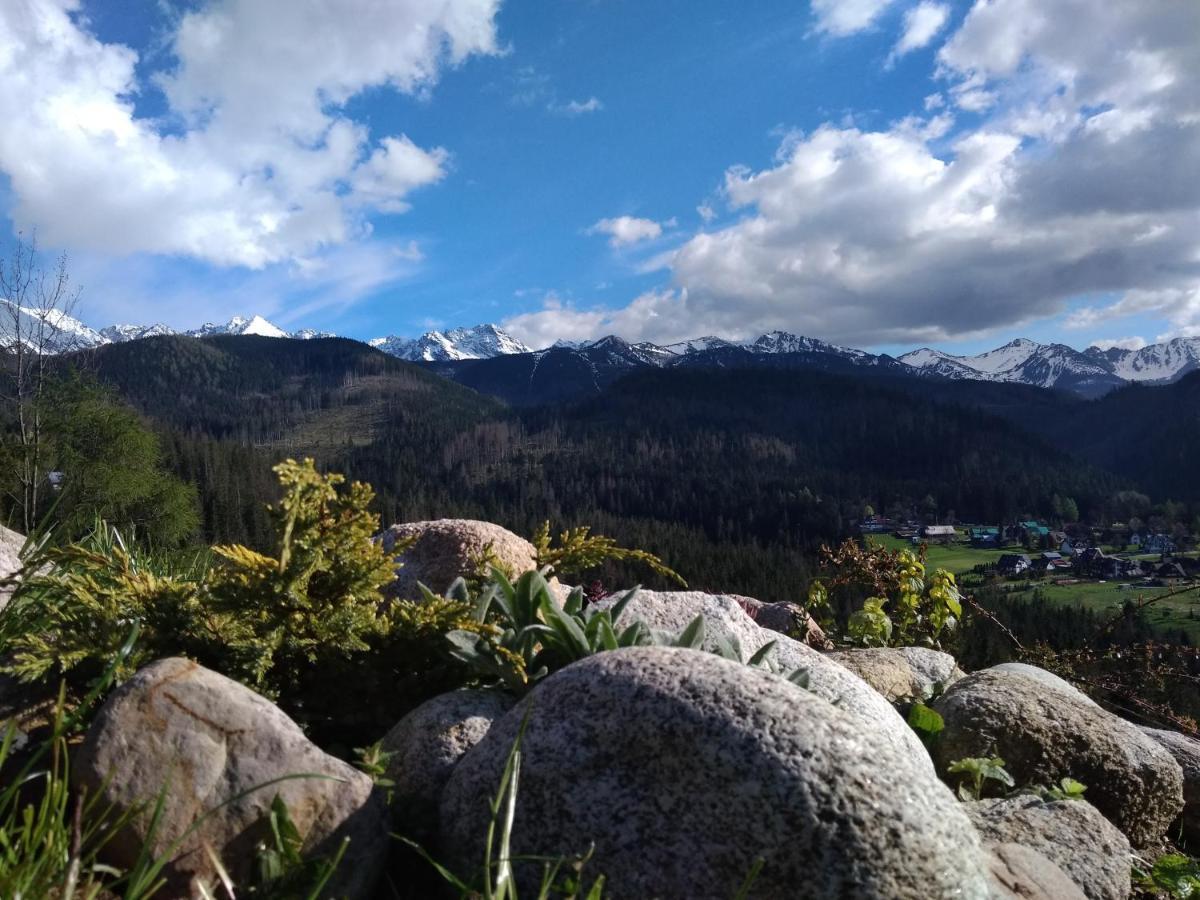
<point x="677" y="769"/>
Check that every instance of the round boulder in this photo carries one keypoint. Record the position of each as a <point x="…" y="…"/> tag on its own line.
<point x="1045" y="732"/>
<point x="213" y="747"/>
<point x="682" y="769"/>
<point x="427" y="744"/>
<point x="901" y="672"/>
<point x="443" y="550"/>
<point x="786" y="617"/>
<point x="1186" y="751"/>
<point x="669" y="612"/>
<point x="1070" y="833"/>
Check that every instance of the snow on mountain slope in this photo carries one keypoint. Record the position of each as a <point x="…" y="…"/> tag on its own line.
<point x="240" y="325"/>
<point x="1011" y="355"/>
<point x="119" y="334"/>
<point x="1156" y="363"/>
<point x="785" y="342"/>
<point x="699" y="345"/>
<point x="55" y="331"/>
<point x="478" y="342"/>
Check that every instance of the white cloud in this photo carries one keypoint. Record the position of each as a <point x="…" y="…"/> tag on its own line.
<point x="1125" y="343"/>
<point x="1078" y="180"/>
<point x="562" y="321"/>
<point x="921" y="25"/>
<point x="844" y="17"/>
<point x="624" y="230"/>
<point x="255" y="161"/>
<point x="578" y="107"/>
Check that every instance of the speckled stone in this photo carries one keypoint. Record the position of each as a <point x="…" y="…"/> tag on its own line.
<point x="684" y="768"/>
<point x="1186" y="751"/>
<point x="900" y="672"/>
<point x="210" y="739"/>
<point x="1070" y="833"/>
<point x="1019" y="873"/>
<point x="427" y="744"/>
<point x="446" y="549"/>
<point x="670" y="612"/>
<point x="1045" y="732"/>
<point x="10" y="561"/>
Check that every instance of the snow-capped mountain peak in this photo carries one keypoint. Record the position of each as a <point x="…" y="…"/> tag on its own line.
<point x="51" y="332"/>
<point x="477" y="342"/>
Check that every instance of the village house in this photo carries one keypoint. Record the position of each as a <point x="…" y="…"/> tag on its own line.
<point x="1011" y="564"/>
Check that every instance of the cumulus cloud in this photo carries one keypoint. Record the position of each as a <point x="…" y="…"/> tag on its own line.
<point x="1125" y="343"/>
<point x="254" y="161"/>
<point x="624" y="230"/>
<point x="1078" y="181"/>
<point x="844" y="17"/>
<point x="557" y="320"/>
<point x="578" y="107"/>
<point x="921" y="25"/>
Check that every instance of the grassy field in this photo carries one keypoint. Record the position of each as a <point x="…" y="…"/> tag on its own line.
<point x="956" y="558"/>
<point x="1178" y="613"/>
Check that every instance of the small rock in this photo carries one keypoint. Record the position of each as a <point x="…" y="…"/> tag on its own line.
<point x="209" y="739"/>
<point x="683" y="768"/>
<point x="427" y="744"/>
<point x="787" y="618"/>
<point x="901" y="672"/>
<point x="446" y="549"/>
<point x="670" y="612"/>
<point x="1019" y="873"/>
<point x="1045" y="732"/>
<point x="10" y="560"/>
<point x="1070" y="833"/>
<point x="1186" y="751"/>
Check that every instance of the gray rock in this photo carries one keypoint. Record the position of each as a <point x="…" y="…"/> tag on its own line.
<point x="1019" y="873"/>
<point x="1186" y="751"/>
<point x="427" y="744"/>
<point x="10" y="560"/>
<point x="785" y="617"/>
<point x="208" y="739"/>
<point x="684" y="768"/>
<point x="1044" y="678"/>
<point x="671" y="612"/>
<point x="447" y="549"/>
<point x="900" y="672"/>
<point x="1045" y="733"/>
<point x="1070" y="833"/>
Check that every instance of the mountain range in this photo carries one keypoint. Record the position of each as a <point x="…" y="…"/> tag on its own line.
<point x="458" y="352"/>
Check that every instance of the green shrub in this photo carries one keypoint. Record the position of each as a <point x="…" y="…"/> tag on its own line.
<point x="579" y="551"/>
<point x="903" y="605"/>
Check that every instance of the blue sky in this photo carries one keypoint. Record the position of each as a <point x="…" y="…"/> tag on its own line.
<point x="881" y="173"/>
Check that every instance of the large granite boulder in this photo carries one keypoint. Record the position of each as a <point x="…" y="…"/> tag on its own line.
<point x="1070" y="833"/>
<point x="683" y="768"/>
<point x="215" y="747"/>
<point x="427" y="744"/>
<point x="901" y="672"/>
<point x="669" y="612"/>
<point x="1186" y="751"/>
<point x="446" y="549"/>
<point x="1045" y="732"/>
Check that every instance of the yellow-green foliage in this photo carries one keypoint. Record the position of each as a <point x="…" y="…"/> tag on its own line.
<point x="307" y="625"/>
<point x="320" y="594"/>
<point x="579" y="551"/>
<point x="904" y="605"/>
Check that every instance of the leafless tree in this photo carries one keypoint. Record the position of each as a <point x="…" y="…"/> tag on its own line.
<point x="34" y="302"/>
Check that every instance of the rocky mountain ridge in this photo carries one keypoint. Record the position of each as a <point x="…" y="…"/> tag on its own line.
<point x="1091" y="372"/>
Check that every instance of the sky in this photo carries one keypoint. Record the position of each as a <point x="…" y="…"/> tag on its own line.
<point x="879" y="173"/>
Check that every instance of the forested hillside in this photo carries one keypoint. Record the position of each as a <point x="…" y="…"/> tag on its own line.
<point x="735" y="475"/>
